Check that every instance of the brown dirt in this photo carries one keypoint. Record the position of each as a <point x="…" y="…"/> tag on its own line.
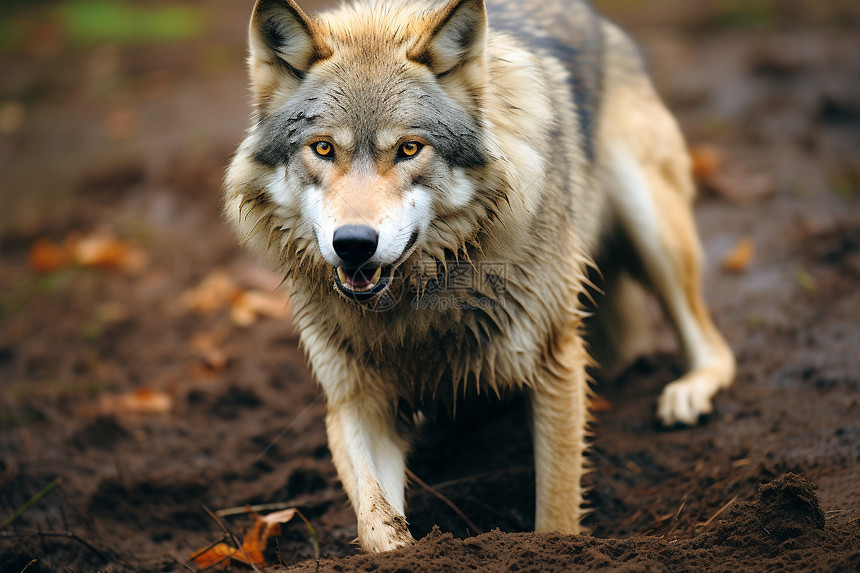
<point x="130" y="141"/>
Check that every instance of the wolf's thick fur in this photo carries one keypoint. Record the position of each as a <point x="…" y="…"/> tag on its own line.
<point x="486" y="156"/>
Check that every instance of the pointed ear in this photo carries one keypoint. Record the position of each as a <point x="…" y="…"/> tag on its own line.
<point x="284" y="44"/>
<point x="457" y="35"/>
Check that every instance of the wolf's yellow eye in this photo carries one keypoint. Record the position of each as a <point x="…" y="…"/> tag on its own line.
<point x="323" y="149"/>
<point x="409" y="149"/>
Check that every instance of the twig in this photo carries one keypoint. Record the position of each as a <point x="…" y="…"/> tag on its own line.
<point x="43" y="534"/>
<point x="675" y="517"/>
<point x="33" y="501"/>
<point x="197" y="554"/>
<point x="473" y="477"/>
<point x="236" y="543"/>
<point x="27" y="566"/>
<point x="184" y="565"/>
<point x="730" y="503"/>
<point x="298" y="501"/>
<point x="444" y="500"/>
<point x="314" y="538"/>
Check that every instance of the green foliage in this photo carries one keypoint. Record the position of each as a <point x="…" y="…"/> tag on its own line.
<point x="86" y="22"/>
<point x="746" y="13"/>
<point x="93" y="21"/>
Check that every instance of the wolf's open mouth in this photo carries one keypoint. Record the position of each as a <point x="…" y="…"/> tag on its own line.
<point x="364" y="282"/>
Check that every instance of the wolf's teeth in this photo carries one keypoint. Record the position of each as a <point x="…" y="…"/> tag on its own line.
<point x="349" y="283"/>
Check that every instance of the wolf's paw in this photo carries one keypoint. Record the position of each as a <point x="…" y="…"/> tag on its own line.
<point x="685" y="400"/>
<point x="381" y="529"/>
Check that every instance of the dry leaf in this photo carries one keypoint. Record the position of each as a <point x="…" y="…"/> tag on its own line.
<point x="213" y="293"/>
<point x="207" y="345"/>
<point x="216" y="555"/>
<point x="250" y="305"/>
<point x="739" y="258"/>
<point x="600" y="404"/>
<point x="252" y="546"/>
<point x="97" y="250"/>
<point x="283" y="516"/>
<point x="707" y="160"/>
<point x="100" y="250"/>
<point x="46" y="256"/>
<point x="145" y="401"/>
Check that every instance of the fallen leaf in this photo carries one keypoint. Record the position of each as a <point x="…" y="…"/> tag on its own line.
<point x="145" y="401"/>
<point x="740" y="257"/>
<point x="283" y="516"/>
<point x="600" y="404"/>
<point x="707" y="160"/>
<point x="216" y="555"/>
<point x="248" y="306"/>
<point x="46" y="256"/>
<point x="105" y="251"/>
<point x="253" y="545"/>
<point x="213" y="293"/>
<point x="207" y="345"/>
<point x="96" y="250"/>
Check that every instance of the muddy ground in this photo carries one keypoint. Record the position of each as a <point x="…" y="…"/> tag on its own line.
<point x="134" y="369"/>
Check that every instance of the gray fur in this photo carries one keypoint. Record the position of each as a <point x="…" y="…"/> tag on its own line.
<point x="370" y="105"/>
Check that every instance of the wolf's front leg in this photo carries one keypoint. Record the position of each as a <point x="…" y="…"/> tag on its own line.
<point x="558" y="403"/>
<point x="369" y="456"/>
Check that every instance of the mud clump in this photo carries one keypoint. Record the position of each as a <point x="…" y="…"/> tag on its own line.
<point x="788" y="507"/>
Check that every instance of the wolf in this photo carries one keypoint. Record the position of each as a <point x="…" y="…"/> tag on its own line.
<point x="435" y="180"/>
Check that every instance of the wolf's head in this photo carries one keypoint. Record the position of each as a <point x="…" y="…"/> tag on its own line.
<point x="369" y="144"/>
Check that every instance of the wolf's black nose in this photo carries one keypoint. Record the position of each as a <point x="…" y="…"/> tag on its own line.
<point x="355" y="244"/>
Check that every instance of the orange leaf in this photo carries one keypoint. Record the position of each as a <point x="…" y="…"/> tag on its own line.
<point x="46" y="256"/>
<point x="252" y="546"/>
<point x="740" y="257"/>
<point x="207" y="345"/>
<point x="108" y="252"/>
<point x="264" y="527"/>
<point x="600" y="404"/>
<point x="144" y="401"/>
<point x="250" y="305"/>
<point x="707" y="160"/>
<point x="213" y="556"/>
<point x="214" y="292"/>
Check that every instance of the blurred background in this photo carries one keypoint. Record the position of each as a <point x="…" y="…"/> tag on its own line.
<point x="145" y="360"/>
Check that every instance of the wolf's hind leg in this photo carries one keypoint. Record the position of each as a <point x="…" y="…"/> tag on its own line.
<point x="558" y="402"/>
<point x="369" y="456"/>
<point x="650" y="197"/>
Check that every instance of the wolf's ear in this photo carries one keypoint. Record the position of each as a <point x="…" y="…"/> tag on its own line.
<point x="284" y="44"/>
<point x="457" y="35"/>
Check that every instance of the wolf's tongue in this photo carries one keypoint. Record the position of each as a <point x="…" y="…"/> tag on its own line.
<point x="358" y="281"/>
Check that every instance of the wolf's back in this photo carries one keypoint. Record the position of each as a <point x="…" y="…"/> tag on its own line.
<point x="569" y="31"/>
